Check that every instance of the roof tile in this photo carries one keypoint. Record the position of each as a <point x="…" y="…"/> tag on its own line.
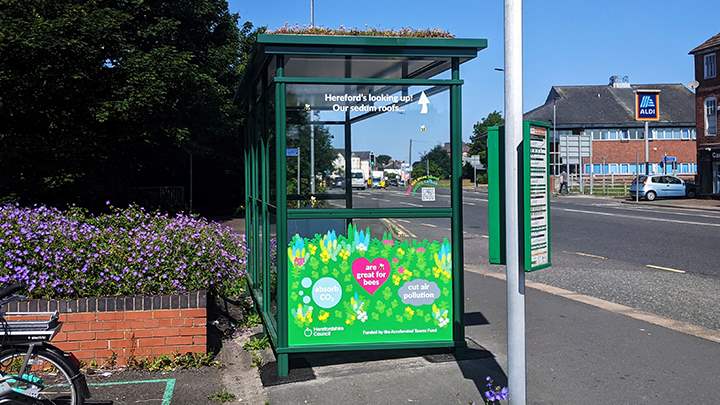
<point x="713" y="42"/>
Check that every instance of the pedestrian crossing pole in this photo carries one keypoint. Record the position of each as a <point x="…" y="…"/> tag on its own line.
<point x="513" y="138"/>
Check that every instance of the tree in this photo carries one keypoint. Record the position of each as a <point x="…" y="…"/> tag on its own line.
<point x="421" y="169"/>
<point x="478" y="141"/>
<point x="324" y="153"/>
<point x="382" y="161"/>
<point x="440" y="163"/>
<point x="98" y="98"/>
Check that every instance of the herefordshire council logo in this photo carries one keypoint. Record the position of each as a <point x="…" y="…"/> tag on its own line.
<point x="647" y="106"/>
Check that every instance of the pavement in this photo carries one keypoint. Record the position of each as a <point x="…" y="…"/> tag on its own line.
<point x="162" y="388"/>
<point x="576" y="354"/>
<point x="627" y="314"/>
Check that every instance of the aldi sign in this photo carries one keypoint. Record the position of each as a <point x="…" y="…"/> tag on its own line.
<point x="647" y="105"/>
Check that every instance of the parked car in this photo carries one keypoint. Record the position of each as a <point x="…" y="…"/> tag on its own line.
<point x="338" y="182"/>
<point x="661" y="186"/>
<point x="393" y="182"/>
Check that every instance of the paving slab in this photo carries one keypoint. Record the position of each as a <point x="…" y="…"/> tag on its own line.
<point x="576" y="354"/>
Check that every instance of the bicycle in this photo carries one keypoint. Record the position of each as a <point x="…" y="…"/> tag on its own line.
<point x="33" y="371"/>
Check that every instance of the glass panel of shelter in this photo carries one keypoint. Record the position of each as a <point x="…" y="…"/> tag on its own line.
<point x="387" y="126"/>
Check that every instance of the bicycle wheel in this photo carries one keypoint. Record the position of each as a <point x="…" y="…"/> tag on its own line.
<point x="52" y="373"/>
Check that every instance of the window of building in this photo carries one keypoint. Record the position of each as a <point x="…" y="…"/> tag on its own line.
<point x="710" y="66"/>
<point x="711" y="116"/>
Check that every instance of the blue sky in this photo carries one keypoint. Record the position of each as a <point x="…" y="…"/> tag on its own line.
<point x="566" y="41"/>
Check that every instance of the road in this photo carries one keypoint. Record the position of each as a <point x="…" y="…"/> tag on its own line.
<point x="661" y="260"/>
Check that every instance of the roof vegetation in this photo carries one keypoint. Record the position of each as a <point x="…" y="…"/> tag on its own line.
<point x="367" y="31"/>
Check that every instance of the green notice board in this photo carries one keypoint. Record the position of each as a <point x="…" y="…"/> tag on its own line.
<point x="356" y="287"/>
<point x="534" y="194"/>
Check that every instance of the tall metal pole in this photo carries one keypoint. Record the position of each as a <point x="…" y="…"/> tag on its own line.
<point x="474" y="178"/>
<point x="647" y="148"/>
<point x="410" y="158"/>
<point x="567" y="157"/>
<point x="298" y="176"/>
<point x="312" y="13"/>
<point x="513" y="137"/>
<point x="637" y="176"/>
<point x="580" y="171"/>
<point x="592" y="169"/>
<point x="312" y="155"/>
<point x="427" y="167"/>
<point x="298" y="171"/>
<point x="555" y="138"/>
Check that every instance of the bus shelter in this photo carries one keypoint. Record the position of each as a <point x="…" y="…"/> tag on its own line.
<point x="353" y="161"/>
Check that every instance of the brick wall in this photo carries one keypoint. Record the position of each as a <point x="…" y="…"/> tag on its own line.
<point x="624" y="151"/>
<point x="707" y="88"/>
<point x="125" y="327"/>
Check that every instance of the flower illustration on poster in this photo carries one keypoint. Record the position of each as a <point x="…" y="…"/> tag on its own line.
<point x="355" y="287"/>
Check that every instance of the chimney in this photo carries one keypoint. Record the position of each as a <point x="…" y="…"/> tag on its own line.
<point x="619" y="82"/>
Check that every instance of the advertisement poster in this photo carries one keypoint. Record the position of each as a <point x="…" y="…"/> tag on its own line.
<point x="361" y="288"/>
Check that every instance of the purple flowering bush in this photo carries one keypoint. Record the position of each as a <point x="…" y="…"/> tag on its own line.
<point x="71" y="253"/>
<point x="494" y="393"/>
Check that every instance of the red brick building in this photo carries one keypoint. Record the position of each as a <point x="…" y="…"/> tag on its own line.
<point x="707" y="96"/>
<point x="597" y="123"/>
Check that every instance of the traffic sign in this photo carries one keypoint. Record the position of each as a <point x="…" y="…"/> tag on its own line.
<point x="647" y="105"/>
<point x="292" y="152"/>
<point x="474" y="161"/>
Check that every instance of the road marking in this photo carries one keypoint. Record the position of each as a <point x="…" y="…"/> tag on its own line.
<point x="359" y="196"/>
<point x="403" y="220"/>
<point x="607" y="214"/>
<point x="467" y="203"/>
<point x="410" y="204"/>
<point x="167" y="394"/>
<point x="586" y="255"/>
<point x="430" y="225"/>
<point x="402" y="229"/>
<point x="380" y="199"/>
<point x="678" y="326"/>
<point x="652" y="266"/>
<point x="668" y="211"/>
<point x="485" y="236"/>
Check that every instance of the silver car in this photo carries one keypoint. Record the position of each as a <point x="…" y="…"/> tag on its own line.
<point x="658" y="186"/>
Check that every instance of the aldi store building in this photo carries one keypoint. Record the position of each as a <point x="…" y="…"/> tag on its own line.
<point x="601" y="119"/>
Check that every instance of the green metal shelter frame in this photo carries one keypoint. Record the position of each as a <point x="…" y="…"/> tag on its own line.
<point x="280" y="61"/>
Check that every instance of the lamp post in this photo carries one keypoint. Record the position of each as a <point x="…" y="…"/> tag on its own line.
<point x="312" y="13"/>
<point x="513" y="136"/>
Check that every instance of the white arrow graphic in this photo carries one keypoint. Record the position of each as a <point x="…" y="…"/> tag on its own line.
<point x="424" y="101"/>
